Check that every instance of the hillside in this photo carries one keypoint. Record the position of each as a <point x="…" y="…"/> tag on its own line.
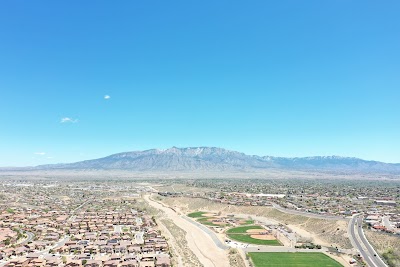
<point x="219" y="159"/>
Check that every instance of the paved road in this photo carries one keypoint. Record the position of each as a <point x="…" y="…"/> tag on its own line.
<point x="72" y="217"/>
<point x="139" y="221"/>
<point x="45" y="252"/>
<point x="307" y="214"/>
<point x="213" y="236"/>
<point x="61" y="242"/>
<point x="29" y="238"/>
<point x="359" y="240"/>
<point x="139" y="237"/>
<point x="386" y="223"/>
<point x="118" y="228"/>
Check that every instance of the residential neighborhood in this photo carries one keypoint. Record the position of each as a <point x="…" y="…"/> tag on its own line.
<point x="59" y="225"/>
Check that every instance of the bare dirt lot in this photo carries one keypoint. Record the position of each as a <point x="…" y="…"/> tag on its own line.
<point x="255" y="231"/>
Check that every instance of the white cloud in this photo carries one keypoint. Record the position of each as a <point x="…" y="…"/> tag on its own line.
<point x="40" y="153"/>
<point x="66" y="119"/>
<point x="107" y="97"/>
<point x="50" y="157"/>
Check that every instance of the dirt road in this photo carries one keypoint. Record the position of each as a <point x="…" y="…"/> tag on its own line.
<point x="199" y="242"/>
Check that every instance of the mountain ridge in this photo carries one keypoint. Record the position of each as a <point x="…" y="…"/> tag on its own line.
<point x="220" y="159"/>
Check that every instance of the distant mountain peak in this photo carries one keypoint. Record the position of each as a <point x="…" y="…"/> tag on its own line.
<point x="219" y="159"/>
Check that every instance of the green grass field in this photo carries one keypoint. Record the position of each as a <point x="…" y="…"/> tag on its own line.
<point x="240" y="234"/>
<point x="287" y="259"/>
<point x="250" y="240"/>
<point x="243" y="229"/>
<point x="205" y="221"/>
<point x="197" y="214"/>
<point x="247" y="222"/>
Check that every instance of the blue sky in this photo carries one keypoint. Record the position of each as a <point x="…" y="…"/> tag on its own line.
<point x="282" y="78"/>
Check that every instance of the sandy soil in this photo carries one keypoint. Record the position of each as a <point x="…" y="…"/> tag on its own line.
<point x="255" y="231"/>
<point x="306" y="234"/>
<point x="167" y="234"/>
<point x="198" y="241"/>
<point x="263" y="237"/>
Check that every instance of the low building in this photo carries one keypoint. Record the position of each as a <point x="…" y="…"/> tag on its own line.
<point x="385" y="202"/>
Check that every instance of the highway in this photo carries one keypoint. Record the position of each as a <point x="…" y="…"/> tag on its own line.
<point x="361" y="243"/>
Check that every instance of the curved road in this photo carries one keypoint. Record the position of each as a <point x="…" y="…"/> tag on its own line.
<point x="29" y="238"/>
<point x="359" y="240"/>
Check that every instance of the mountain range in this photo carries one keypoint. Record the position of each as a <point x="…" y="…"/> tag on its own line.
<point x="219" y="159"/>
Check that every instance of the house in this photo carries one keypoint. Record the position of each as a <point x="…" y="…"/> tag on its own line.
<point x="163" y="261"/>
<point x="33" y="256"/>
<point x="84" y="256"/>
<point x="385" y="202"/>
<point x="130" y="263"/>
<point x="379" y="227"/>
<point x="111" y="263"/>
<point x="129" y="257"/>
<point x="147" y="264"/>
<point x="115" y="257"/>
<point x="94" y="263"/>
<point x="53" y="262"/>
<point x="18" y="262"/>
<point x="73" y="263"/>
<point x="37" y="263"/>
<point x="21" y="250"/>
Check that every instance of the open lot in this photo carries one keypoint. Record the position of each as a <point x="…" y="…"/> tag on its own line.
<point x="300" y="259"/>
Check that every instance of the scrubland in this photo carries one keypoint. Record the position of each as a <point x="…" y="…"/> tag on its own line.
<point x="388" y="246"/>
<point x="328" y="232"/>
